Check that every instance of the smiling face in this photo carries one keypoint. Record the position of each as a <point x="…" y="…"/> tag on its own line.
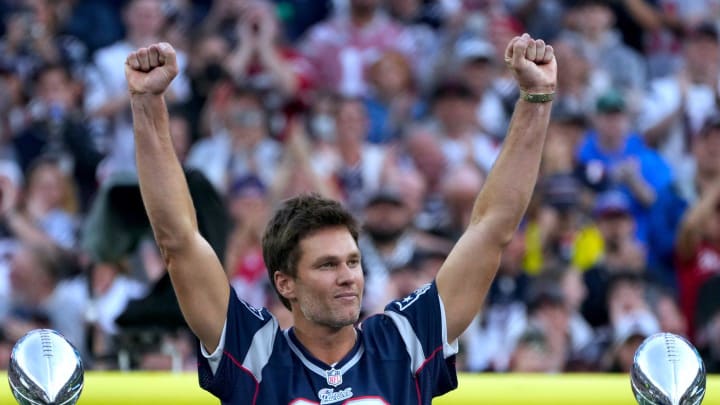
<point x="328" y="285"/>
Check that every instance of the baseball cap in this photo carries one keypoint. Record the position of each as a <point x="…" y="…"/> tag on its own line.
<point x="473" y="49"/>
<point x="451" y="89"/>
<point x="385" y="195"/>
<point x="563" y="113"/>
<point x="561" y="191"/>
<point x="543" y="294"/>
<point x="612" y="202"/>
<point x="248" y="186"/>
<point x="710" y="126"/>
<point x="704" y="30"/>
<point x="611" y="101"/>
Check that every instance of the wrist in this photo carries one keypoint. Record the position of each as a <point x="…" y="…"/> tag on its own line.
<point x="537" y="96"/>
<point x="144" y="96"/>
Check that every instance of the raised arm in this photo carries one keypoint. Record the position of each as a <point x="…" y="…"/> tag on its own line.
<point x="198" y="279"/>
<point x="465" y="277"/>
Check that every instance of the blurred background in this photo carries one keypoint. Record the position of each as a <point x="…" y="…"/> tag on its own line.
<point x="397" y="108"/>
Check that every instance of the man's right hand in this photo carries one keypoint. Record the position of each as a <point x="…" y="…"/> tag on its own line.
<point x="150" y="70"/>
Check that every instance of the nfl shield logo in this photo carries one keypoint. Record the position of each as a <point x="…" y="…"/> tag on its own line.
<point x="334" y="377"/>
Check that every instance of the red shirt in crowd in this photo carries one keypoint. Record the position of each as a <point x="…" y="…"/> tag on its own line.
<point x="703" y="265"/>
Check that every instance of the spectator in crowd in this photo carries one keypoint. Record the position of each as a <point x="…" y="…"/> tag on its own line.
<point x="560" y="232"/>
<point x="106" y="288"/>
<point x="96" y="23"/>
<point x="457" y="191"/>
<point x="58" y="128"/>
<point x="420" y="21"/>
<point x="622" y="252"/>
<point x="248" y="204"/>
<point x="579" y="82"/>
<point x="423" y="148"/>
<point x="673" y="201"/>
<point x="106" y="100"/>
<point x="241" y="147"/>
<point x="462" y="139"/>
<point x="260" y="60"/>
<point x="392" y="97"/>
<point x="342" y="47"/>
<point x="624" y="67"/>
<point x="490" y="339"/>
<point x="583" y="349"/>
<point x="698" y="246"/>
<point x="362" y="166"/>
<point x="677" y="105"/>
<point x="40" y="298"/>
<point x="548" y="319"/>
<point x="389" y="242"/>
<point x="477" y="59"/>
<point x="209" y="83"/>
<point x="664" y="305"/>
<point x="46" y="213"/>
<point x="631" y="320"/>
<point x="614" y="148"/>
<point x="707" y="319"/>
<point x="14" y="117"/>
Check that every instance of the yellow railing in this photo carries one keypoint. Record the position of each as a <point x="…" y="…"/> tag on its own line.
<point x="110" y="388"/>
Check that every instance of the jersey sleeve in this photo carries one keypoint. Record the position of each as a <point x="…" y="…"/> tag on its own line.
<point x="247" y="343"/>
<point x="420" y="320"/>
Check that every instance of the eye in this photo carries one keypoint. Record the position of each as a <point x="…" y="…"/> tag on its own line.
<point x="327" y="265"/>
<point x="352" y="263"/>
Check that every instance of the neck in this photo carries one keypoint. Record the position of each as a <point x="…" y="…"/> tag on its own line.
<point x="361" y="18"/>
<point x="350" y="152"/>
<point x="610" y="144"/>
<point x="137" y="40"/>
<point x="328" y="345"/>
<point x="704" y="180"/>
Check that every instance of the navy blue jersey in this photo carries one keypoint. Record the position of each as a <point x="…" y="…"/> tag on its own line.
<point x="401" y="357"/>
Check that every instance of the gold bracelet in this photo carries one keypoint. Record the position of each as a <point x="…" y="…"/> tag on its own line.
<point x="536" y="97"/>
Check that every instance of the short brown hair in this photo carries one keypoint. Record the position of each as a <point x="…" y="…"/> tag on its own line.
<point x="296" y="219"/>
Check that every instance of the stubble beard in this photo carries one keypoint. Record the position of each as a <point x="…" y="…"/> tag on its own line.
<point x="329" y="319"/>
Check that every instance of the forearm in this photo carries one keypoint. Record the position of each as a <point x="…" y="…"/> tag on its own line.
<point x="25" y="230"/>
<point x="690" y="233"/>
<point x="644" y="14"/>
<point x="162" y="181"/>
<point x="238" y="62"/>
<point x="642" y="191"/>
<point x="287" y="83"/>
<point x="510" y="184"/>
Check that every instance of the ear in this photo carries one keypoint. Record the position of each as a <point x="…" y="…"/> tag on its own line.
<point x="285" y="285"/>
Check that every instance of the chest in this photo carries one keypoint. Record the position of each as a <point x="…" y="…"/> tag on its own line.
<point x="370" y="381"/>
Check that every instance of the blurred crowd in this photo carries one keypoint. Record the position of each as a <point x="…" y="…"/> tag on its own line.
<point x="397" y="108"/>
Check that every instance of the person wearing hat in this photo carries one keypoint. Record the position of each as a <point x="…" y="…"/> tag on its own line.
<point x="614" y="149"/>
<point x="477" y="60"/>
<point x="561" y="232"/>
<point x="622" y="252"/>
<point x="674" y="201"/>
<point x="697" y="246"/>
<point x="676" y="106"/>
<point x="454" y="107"/>
<point x="389" y="241"/>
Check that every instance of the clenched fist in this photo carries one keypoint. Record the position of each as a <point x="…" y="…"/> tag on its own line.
<point x="532" y="63"/>
<point x="150" y="70"/>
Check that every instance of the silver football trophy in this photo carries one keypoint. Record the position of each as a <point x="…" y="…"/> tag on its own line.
<point x="45" y="369"/>
<point x="667" y="370"/>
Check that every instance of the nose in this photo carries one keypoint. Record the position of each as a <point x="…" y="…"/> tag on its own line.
<point x="346" y="275"/>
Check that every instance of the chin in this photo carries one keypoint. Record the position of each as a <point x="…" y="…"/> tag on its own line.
<point x="340" y="321"/>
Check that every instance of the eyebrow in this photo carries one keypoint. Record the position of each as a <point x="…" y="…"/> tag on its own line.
<point x="326" y="258"/>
